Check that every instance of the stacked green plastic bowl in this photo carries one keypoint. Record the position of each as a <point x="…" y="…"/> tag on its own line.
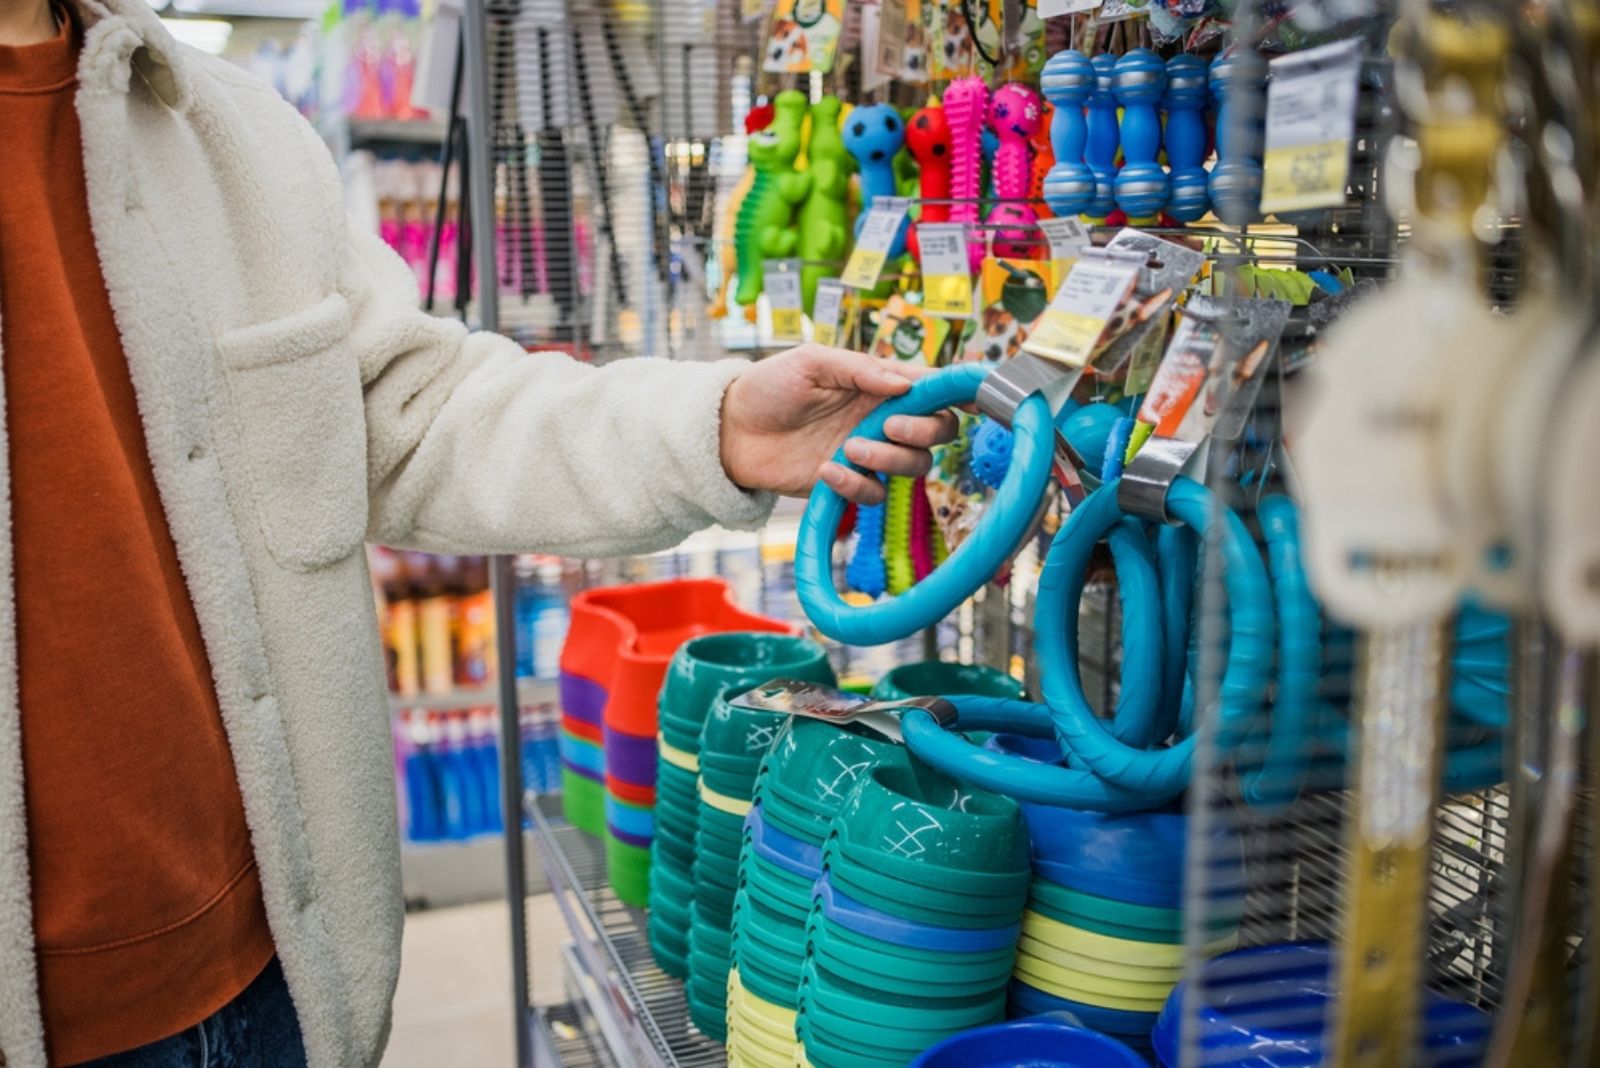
<point x="732" y="746"/>
<point x="702" y="670"/>
<point x="912" y="933"/>
<point x="935" y="678"/>
<point x="809" y="772"/>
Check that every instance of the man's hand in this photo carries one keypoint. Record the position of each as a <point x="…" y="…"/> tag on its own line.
<point x="783" y="419"/>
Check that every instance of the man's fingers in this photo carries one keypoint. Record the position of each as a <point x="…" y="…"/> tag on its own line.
<point x="887" y="458"/>
<point x="843" y="369"/>
<point x="852" y="485"/>
<point x="922" y="431"/>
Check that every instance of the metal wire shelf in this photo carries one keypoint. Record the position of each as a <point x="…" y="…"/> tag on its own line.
<point x="651" y="1015"/>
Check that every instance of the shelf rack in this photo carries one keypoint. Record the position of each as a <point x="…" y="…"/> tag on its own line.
<point x="639" y="1008"/>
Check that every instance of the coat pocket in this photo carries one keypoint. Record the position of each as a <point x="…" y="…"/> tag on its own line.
<point x="295" y="391"/>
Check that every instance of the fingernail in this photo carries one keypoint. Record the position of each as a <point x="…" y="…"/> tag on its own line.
<point x="897" y="426"/>
<point x="856" y="449"/>
<point x="832" y="474"/>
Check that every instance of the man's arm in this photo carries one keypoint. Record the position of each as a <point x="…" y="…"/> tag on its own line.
<point x="474" y="445"/>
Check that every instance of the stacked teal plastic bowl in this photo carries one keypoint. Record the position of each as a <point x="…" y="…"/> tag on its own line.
<point x="702" y="670"/>
<point x="809" y="772"/>
<point x="732" y="745"/>
<point x="912" y="933"/>
<point x="933" y="678"/>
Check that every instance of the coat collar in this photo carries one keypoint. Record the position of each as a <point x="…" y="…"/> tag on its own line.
<point x="123" y="38"/>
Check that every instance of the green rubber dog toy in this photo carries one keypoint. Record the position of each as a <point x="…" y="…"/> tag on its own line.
<point x="765" y="227"/>
<point x="825" y="215"/>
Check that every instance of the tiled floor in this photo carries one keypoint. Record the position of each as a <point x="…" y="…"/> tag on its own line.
<point x="453" y="1006"/>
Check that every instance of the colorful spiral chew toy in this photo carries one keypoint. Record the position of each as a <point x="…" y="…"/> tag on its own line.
<point x="1141" y="186"/>
<point x="923" y="553"/>
<point x="897" y="536"/>
<point x="1100" y="150"/>
<point x="1067" y="80"/>
<point x="1238" y="82"/>
<point x="1014" y="115"/>
<point x="966" y="105"/>
<point x="865" y="572"/>
<point x="1186" y="137"/>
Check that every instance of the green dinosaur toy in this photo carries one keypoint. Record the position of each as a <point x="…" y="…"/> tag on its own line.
<point x="765" y="227"/>
<point x="825" y="215"/>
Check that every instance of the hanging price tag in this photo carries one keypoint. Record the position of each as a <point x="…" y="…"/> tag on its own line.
<point x="825" y="312"/>
<point x="893" y="36"/>
<point x="946" y="285"/>
<point x="1068" y="237"/>
<point x="751" y="10"/>
<point x="1311" y="114"/>
<point x="782" y="284"/>
<point x="873" y="242"/>
<point x="1070" y="330"/>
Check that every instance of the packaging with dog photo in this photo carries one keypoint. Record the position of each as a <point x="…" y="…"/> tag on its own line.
<point x="805" y="36"/>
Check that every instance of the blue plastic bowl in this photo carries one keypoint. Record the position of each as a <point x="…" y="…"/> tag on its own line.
<point x="1269" y="1007"/>
<point x="1029" y="1044"/>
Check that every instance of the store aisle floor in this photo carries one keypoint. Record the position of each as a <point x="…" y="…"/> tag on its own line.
<point x="453" y="1006"/>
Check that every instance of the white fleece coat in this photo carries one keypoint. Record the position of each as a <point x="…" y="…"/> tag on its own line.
<point x="296" y="403"/>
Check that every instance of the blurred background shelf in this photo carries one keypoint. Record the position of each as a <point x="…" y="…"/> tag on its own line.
<point x="639" y="1009"/>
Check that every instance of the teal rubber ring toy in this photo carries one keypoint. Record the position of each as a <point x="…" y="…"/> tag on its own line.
<point x="1137" y="720"/>
<point x="1001" y="530"/>
<point x="1025" y="780"/>
<point x="1177" y="555"/>
<point x="1162" y="773"/>
<point x="1282" y="773"/>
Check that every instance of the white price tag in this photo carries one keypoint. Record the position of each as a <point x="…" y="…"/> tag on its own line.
<point x="825" y="311"/>
<point x="871" y="23"/>
<point x="782" y="284"/>
<point x="873" y="242"/>
<point x="1311" y="114"/>
<point x="946" y="283"/>
<point x="1069" y="332"/>
<point x="1067" y="235"/>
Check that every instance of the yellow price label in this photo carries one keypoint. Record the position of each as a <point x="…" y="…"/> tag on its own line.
<point x="947" y="285"/>
<point x="750" y="10"/>
<point x="787" y="324"/>
<point x="1299" y="177"/>
<point x="877" y="236"/>
<point x="948" y="295"/>
<point x="825" y="312"/>
<point x="781" y="279"/>
<point x="1310" y="120"/>
<point x="1067" y="337"/>
<point x="863" y="268"/>
<point x="1070" y="329"/>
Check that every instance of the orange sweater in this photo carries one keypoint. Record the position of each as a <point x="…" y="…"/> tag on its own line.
<point x="147" y="907"/>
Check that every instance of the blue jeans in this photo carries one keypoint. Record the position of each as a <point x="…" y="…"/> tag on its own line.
<point x="257" y="1029"/>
